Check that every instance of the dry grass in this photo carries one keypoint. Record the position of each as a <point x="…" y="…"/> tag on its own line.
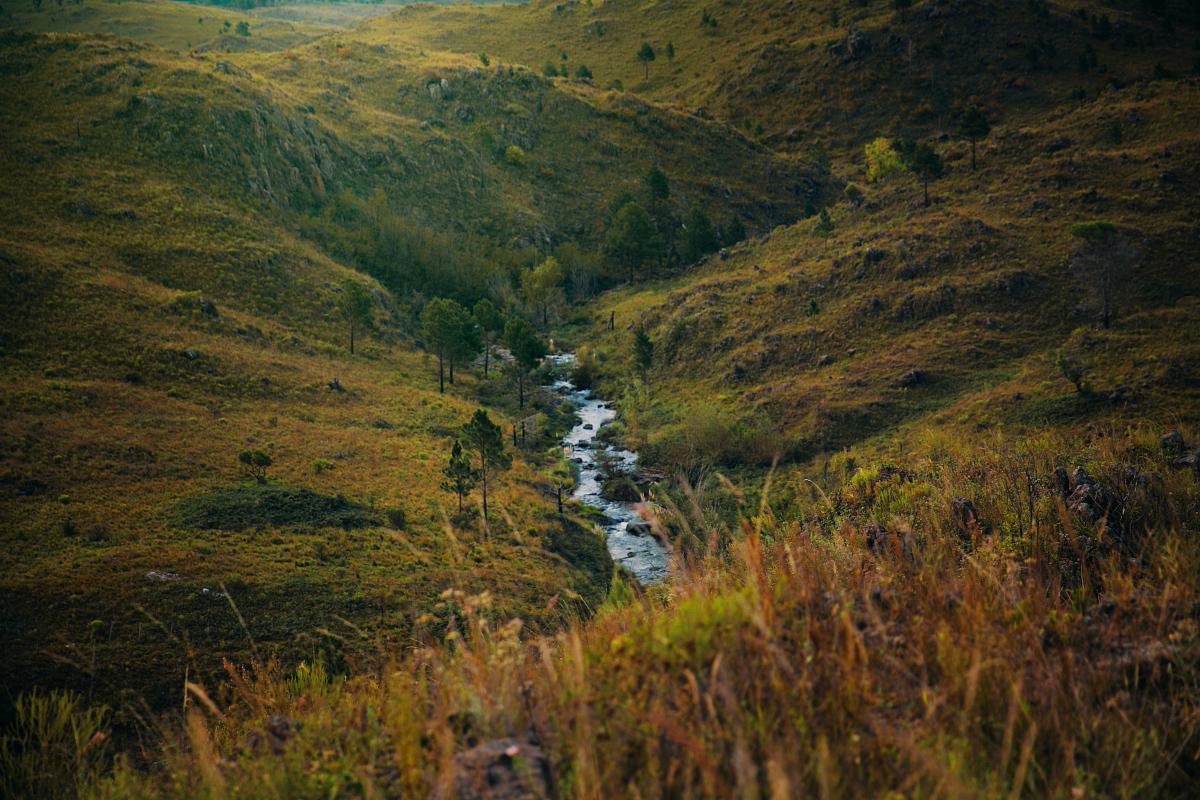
<point x="1020" y="656"/>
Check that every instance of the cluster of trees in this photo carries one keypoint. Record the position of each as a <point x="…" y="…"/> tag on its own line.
<point x="644" y="229"/>
<point x="456" y="336"/>
<point x="885" y="156"/>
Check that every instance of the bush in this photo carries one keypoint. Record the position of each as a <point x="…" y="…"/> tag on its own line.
<point x="514" y="155"/>
<point x="396" y="518"/>
<point x="236" y="508"/>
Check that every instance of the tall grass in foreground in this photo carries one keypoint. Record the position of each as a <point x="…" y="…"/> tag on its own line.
<point x="890" y="645"/>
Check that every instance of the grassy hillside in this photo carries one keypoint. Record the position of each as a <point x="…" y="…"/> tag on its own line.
<point x="155" y="325"/>
<point x="803" y="75"/>
<point x="187" y="26"/>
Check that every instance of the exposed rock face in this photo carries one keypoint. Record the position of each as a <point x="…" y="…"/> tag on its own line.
<point x="502" y="769"/>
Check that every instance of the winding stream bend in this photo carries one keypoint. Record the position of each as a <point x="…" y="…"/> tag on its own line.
<point x="640" y="553"/>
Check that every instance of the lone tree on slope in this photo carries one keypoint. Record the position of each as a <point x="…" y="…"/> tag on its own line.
<point x="1102" y="261"/>
<point x="354" y="305"/>
<point x="973" y="125"/>
<point x="921" y="160"/>
<point x="485" y="438"/>
<point x="645" y="55"/>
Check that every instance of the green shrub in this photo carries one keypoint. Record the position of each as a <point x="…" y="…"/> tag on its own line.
<point x="235" y="508"/>
<point x="514" y="155"/>
<point x="396" y="518"/>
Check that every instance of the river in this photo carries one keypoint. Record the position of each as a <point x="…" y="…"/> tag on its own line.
<point x="640" y="553"/>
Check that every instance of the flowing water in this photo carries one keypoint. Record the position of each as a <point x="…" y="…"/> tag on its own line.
<point x="639" y="552"/>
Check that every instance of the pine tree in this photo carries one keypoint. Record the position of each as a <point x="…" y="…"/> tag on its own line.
<point x="460" y="476"/>
<point x="824" y="226"/>
<point x="526" y="348"/>
<point x="486" y="440"/>
<point x="973" y="125"/>
<point x="354" y="305"/>
<point x="645" y="55"/>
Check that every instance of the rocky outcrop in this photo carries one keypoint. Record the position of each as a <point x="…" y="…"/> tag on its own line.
<point x="502" y="769"/>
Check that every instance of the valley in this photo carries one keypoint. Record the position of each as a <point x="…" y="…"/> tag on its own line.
<point x="759" y="399"/>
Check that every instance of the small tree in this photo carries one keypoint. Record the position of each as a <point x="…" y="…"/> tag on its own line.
<point x="973" y="126"/>
<point x="542" y="287"/>
<point x="486" y="440"/>
<point x="643" y="352"/>
<point x="657" y="184"/>
<point x="921" y="160"/>
<point x="460" y="477"/>
<point x="254" y="464"/>
<point x="444" y="323"/>
<point x="354" y="305"/>
<point x="583" y="73"/>
<point x="824" y="226"/>
<point x="631" y="238"/>
<point x="243" y="28"/>
<point x="526" y="348"/>
<point x="670" y="51"/>
<point x="491" y="324"/>
<point x="645" y="55"/>
<point x="1103" y="260"/>
<point x="882" y="159"/>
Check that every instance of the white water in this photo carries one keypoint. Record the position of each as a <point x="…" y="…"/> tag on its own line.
<point x="641" y="554"/>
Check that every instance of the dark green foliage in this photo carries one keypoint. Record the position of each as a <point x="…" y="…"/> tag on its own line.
<point x="973" y="126"/>
<point x="243" y="28"/>
<point x="583" y="73"/>
<point x="824" y="225"/>
<point x="236" y="508"/>
<point x="921" y="160"/>
<point x="396" y="518"/>
<point x="527" y="350"/>
<point x="657" y="184"/>
<point x="699" y="236"/>
<point x="486" y="440"/>
<point x="643" y="351"/>
<point x="459" y="476"/>
<point x="631" y="239"/>
<point x="254" y="464"/>
<point x="645" y="55"/>
<point x="450" y="333"/>
<point x="670" y="51"/>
